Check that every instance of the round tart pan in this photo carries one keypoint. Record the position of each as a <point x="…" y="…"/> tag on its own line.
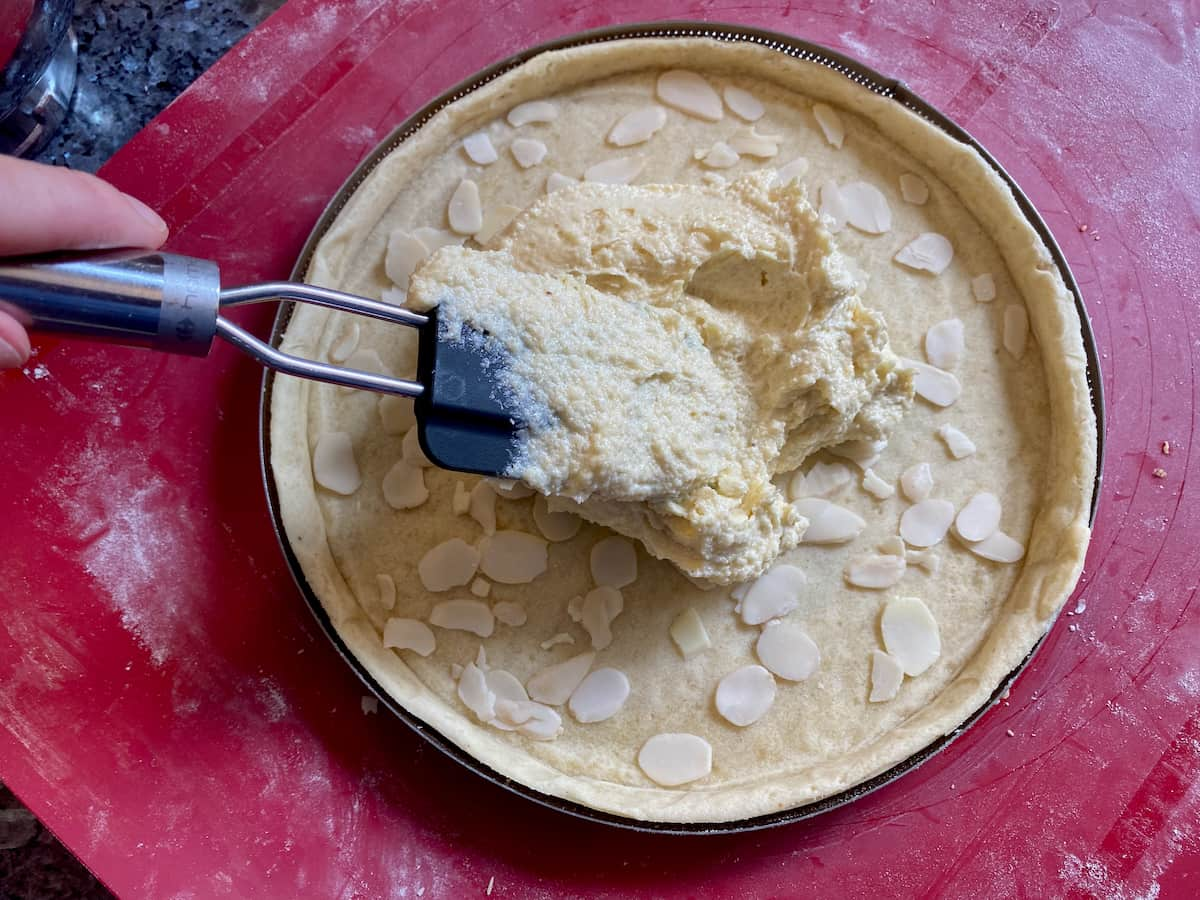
<point x="797" y="49"/>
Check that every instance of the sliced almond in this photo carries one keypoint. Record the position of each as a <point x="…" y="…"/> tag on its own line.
<point x="495" y="220"/>
<point x="773" y="594"/>
<point x="410" y="449"/>
<point x="672" y="759"/>
<point x="533" y="111"/>
<point x="886" y="677"/>
<point x="983" y="287"/>
<point x="914" y="189"/>
<point x="876" y="486"/>
<point x="689" y="634"/>
<point x="998" y="547"/>
<point x="822" y="480"/>
<point x="828" y="523"/>
<point x="460" y="503"/>
<point x="512" y="557"/>
<point x="926" y="559"/>
<point x="386" y="585"/>
<point x="556" y="180"/>
<point x="864" y="454"/>
<point x="561" y="638"/>
<point x="599" y="696"/>
<point x="409" y="634"/>
<point x="614" y="562"/>
<point x="926" y="523"/>
<point x="482" y="507"/>
<point x="509" y="489"/>
<point x="511" y="614"/>
<point x="528" y="717"/>
<point x="831" y="124"/>
<point x="938" y="387"/>
<point x="528" y="152"/>
<point x="600" y="607"/>
<point x="346" y="344"/>
<point x="404" y="253"/>
<point x="481" y="588"/>
<point x="464" y="615"/>
<point x="554" y="684"/>
<point x="832" y="207"/>
<point x="473" y="691"/>
<point x="554" y="526"/>
<point x="364" y="360"/>
<point x="689" y="93"/>
<point x="743" y="104"/>
<point x="465" y="212"/>
<point x="748" y="142"/>
<point x="333" y="464"/>
<point x="719" y="156"/>
<point x="404" y="486"/>
<point x="479" y="149"/>
<point x="893" y="545"/>
<point x="875" y="571"/>
<point x="866" y="207"/>
<point x="787" y="651"/>
<point x="621" y="170"/>
<point x="979" y="518"/>
<point x="505" y="685"/>
<point x="744" y="695"/>
<point x="450" y="564"/>
<point x="910" y="634"/>
<point x="944" y="345"/>
<point x="917" y="482"/>
<point x="1016" y="329"/>
<point x="789" y="171"/>
<point x="396" y="414"/>
<point x="637" y="126"/>
<point x="957" y="443"/>
<point x="928" y="252"/>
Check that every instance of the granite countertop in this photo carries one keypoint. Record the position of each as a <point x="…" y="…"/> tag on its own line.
<point x="135" y="57"/>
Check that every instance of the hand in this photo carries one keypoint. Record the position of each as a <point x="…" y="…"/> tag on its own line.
<point x="53" y="208"/>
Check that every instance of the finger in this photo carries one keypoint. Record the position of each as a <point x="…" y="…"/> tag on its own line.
<point x="54" y="208"/>
<point x="14" y="343"/>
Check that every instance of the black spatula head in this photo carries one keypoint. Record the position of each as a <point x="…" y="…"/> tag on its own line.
<point x="465" y="419"/>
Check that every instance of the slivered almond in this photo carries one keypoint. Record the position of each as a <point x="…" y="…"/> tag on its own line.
<point x="744" y="695"/>
<point x="926" y="523"/>
<point x="333" y="465"/>
<point x="404" y="486"/>
<point x="689" y="634"/>
<point x="689" y="93"/>
<point x="527" y="152"/>
<point x="831" y="124"/>
<point x="828" y="523"/>
<point x="917" y="481"/>
<point x="637" y="126"/>
<point x="533" y="111"/>
<point x="979" y="517"/>
<point x="599" y="696"/>
<point x="866" y="207"/>
<point x="998" y="547"/>
<point x="409" y="634"/>
<point x="512" y="557"/>
<point x="479" y="149"/>
<point x="464" y="615"/>
<point x="743" y="104"/>
<point x="465" y="212"/>
<point x="957" y="443"/>
<point x="910" y="634"/>
<point x="450" y="564"/>
<point x="933" y="384"/>
<point x="474" y="692"/>
<point x="944" y="345"/>
<point x="404" y="253"/>
<point x="787" y="651"/>
<point x="928" y="252"/>
<point x="672" y="759"/>
<point x="886" y="677"/>
<point x="773" y="594"/>
<point x="876" y="486"/>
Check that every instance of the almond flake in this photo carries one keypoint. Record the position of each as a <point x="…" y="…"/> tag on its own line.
<point x="689" y="634"/>
<point x="465" y="212"/>
<point x="621" y="170"/>
<point x="473" y="691"/>
<point x="831" y="124"/>
<point x="396" y="414"/>
<point x="828" y="523"/>
<point x="979" y="518"/>
<point x="600" y="607"/>
<point x="409" y="634"/>
<point x="773" y="594"/>
<point x="346" y="345"/>
<point x="511" y="614"/>
<point x="984" y="288"/>
<point x="944" y="344"/>
<point x="638" y="126"/>
<point x="482" y="507"/>
<point x="866" y="207"/>
<point x="404" y="486"/>
<point x="505" y="685"/>
<point x="363" y="360"/>
<point x="719" y="156"/>
<point x="832" y="208"/>
<point x="556" y="180"/>
<point x="745" y="695"/>
<point x="910" y="634"/>
<point x="554" y="684"/>
<point x="957" y="443"/>
<point x="914" y="189"/>
<point x="864" y="454"/>
<point x="614" y="562"/>
<point x="893" y="545"/>
<point x="748" y="142"/>
<point x="822" y="480"/>
<point x="534" y="111"/>
<point x="743" y="104"/>
<point x="528" y="717"/>
<point x="460" y="503"/>
<point x="926" y="523"/>
<point x="387" y="590"/>
<point x="926" y="559"/>
<point x="561" y="638"/>
<point x="554" y="526"/>
<point x="673" y="759"/>
<point x="876" y="486"/>
<point x="886" y="677"/>
<point x="600" y="696"/>
<point x="410" y="449"/>
<point x="938" y="387"/>
<point x="917" y="482"/>
<point x="927" y="252"/>
<point x="690" y="93"/>
<point x="509" y="489"/>
<point x="404" y="253"/>
<point x="789" y="171"/>
<point x="481" y="587"/>
<point x="436" y="238"/>
<point x="495" y="220"/>
<point x="464" y="615"/>
<point x="512" y="557"/>
<point x="575" y="608"/>
<point x="1016" y="329"/>
<point x="787" y="651"/>
<point x="528" y="152"/>
<point x="998" y="547"/>
<point x="450" y="564"/>
<point x="875" y="571"/>
<point x="479" y="149"/>
<point x="333" y="464"/>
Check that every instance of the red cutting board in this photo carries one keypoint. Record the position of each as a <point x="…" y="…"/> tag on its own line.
<point x="170" y="708"/>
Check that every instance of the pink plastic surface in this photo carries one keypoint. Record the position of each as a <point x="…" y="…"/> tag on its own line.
<point x="170" y="708"/>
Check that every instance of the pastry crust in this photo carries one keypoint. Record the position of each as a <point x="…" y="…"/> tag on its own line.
<point x="1031" y="419"/>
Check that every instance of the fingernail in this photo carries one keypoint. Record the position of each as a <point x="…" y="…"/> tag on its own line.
<point x="151" y="217"/>
<point x="10" y="356"/>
